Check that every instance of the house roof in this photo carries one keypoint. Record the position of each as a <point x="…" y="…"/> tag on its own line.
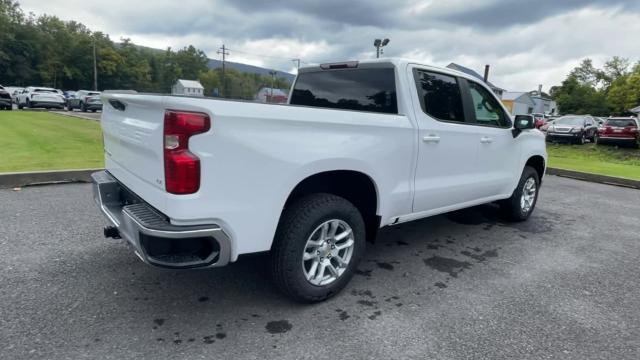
<point x="471" y="72"/>
<point x="518" y="96"/>
<point x="190" y="83"/>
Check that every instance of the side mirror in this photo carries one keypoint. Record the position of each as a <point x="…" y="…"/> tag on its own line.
<point x="522" y="122"/>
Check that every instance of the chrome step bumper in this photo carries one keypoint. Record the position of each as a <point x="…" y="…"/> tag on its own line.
<point x="155" y="240"/>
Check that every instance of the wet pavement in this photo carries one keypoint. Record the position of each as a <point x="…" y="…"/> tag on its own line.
<point x="462" y="285"/>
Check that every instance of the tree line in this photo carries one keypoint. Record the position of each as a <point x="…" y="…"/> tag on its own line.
<point x="610" y="90"/>
<point x="46" y="51"/>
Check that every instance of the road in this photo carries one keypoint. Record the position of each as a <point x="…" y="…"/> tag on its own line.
<point x="458" y="286"/>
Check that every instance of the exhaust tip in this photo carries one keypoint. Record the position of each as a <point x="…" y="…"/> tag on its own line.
<point x="111" y="232"/>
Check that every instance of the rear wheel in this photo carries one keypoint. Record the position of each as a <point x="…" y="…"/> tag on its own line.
<point x="318" y="244"/>
<point x="523" y="200"/>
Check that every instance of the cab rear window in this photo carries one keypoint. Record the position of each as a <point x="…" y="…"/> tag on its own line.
<point x="352" y="89"/>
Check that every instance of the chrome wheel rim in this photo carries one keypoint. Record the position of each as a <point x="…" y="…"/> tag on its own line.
<point x="328" y="252"/>
<point x="528" y="195"/>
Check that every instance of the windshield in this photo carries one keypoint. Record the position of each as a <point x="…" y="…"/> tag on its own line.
<point x="93" y="93"/>
<point x="45" y="91"/>
<point x="620" y="122"/>
<point x="569" y="120"/>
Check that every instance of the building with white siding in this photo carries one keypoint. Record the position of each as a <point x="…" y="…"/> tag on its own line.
<point x="187" y="87"/>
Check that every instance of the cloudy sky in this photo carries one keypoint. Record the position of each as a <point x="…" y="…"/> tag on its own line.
<point x="527" y="42"/>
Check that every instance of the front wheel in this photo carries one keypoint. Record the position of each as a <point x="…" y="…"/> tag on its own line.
<point x="523" y="200"/>
<point x="582" y="139"/>
<point x="319" y="241"/>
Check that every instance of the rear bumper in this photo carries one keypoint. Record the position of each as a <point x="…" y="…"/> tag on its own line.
<point x="154" y="239"/>
<point x="47" y="104"/>
<point x="93" y="106"/>
<point x="617" y="139"/>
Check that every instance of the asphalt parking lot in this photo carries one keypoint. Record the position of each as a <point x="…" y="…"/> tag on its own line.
<point x="565" y="285"/>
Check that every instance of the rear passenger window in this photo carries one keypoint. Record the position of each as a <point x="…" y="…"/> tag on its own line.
<point x="351" y="89"/>
<point x="486" y="107"/>
<point x="440" y="96"/>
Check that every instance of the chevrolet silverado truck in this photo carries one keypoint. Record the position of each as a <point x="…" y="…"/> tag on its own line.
<point x="197" y="182"/>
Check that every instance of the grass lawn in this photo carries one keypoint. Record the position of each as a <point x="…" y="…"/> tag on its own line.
<point x="34" y="140"/>
<point x="601" y="159"/>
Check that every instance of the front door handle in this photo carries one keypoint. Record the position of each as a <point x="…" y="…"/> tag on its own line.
<point x="431" y="138"/>
<point x="486" y="140"/>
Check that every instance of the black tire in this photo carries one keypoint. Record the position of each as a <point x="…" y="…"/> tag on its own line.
<point x="582" y="139"/>
<point x="28" y="104"/>
<point x="512" y="207"/>
<point x="297" y="224"/>
<point x="69" y="108"/>
<point x="20" y="106"/>
<point x="83" y="107"/>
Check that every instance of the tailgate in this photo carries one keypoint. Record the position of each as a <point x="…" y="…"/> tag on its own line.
<point x="133" y="139"/>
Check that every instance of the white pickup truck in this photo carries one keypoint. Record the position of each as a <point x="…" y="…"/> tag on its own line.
<point x="193" y="183"/>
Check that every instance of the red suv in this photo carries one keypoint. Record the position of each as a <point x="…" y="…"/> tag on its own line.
<point x="619" y="130"/>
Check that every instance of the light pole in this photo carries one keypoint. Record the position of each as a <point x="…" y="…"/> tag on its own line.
<point x="379" y="44"/>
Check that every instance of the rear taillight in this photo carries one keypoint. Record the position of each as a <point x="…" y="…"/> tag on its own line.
<point x="181" y="167"/>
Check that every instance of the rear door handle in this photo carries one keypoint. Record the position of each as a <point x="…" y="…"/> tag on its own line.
<point x="431" y="138"/>
<point x="486" y="140"/>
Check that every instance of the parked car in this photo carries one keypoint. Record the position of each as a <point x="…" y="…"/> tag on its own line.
<point x="85" y="100"/>
<point x="619" y="130"/>
<point x="546" y="125"/>
<point x="40" y="97"/>
<point x="540" y="119"/>
<point x="5" y="99"/>
<point x="68" y="95"/>
<point x="197" y="182"/>
<point x="573" y="128"/>
<point x="13" y="91"/>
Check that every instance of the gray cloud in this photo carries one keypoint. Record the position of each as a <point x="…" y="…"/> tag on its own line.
<point x="526" y="42"/>
<point x="498" y="14"/>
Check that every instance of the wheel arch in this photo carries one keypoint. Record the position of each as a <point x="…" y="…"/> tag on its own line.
<point x="357" y="187"/>
<point x="538" y="163"/>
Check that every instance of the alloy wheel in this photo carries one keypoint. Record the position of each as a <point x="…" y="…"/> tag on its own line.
<point x="328" y="252"/>
<point x="528" y="195"/>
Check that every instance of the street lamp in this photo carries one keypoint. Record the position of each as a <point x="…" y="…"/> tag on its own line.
<point x="379" y="44"/>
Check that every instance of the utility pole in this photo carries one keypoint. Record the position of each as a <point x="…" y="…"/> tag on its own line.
<point x="95" y="67"/>
<point x="273" y="82"/>
<point x="486" y="73"/>
<point x="224" y="51"/>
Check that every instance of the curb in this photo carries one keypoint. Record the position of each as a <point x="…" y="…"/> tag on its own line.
<point x="73" y="115"/>
<point x="602" y="179"/>
<point x="13" y="180"/>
